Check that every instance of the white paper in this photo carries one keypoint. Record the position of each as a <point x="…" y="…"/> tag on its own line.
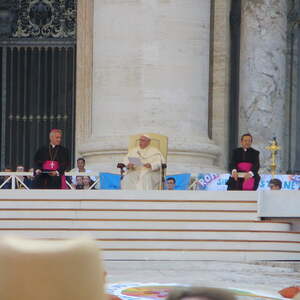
<point x="135" y="160"/>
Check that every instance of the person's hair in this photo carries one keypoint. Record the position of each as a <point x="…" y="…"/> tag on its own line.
<point x="247" y="134"/>
<point x="88" y="178"/>
<point x="200" y="292"/>
<point x="276" y="182"/>
<point x="81" y="158"/>
<point x="53" y="131"/>
<point x="172" y="178"/>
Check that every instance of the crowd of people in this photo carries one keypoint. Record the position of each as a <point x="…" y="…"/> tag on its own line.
<point x="27" y="180"/>
<point x="143" y="166"/>
<point x="77" y="182"/>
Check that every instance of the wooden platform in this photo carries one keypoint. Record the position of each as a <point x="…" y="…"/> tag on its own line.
<point x="157" y="225"/>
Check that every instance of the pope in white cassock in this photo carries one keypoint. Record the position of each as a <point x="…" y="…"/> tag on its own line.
<point x="143" y="165"/>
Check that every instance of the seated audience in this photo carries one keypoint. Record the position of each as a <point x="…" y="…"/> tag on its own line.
<point x="244" y="166"/>
<point x="7" y="185"/>
<point x="170" y="184"/>
<point x="30" y="179"/>
<point x="79" y="183"/>
<point x="81" y="168"/>
<point x="23" y="179"/>
<point x="200" y="293"/>
<point x="275" y="184"/>
<point x="87" y="183"/>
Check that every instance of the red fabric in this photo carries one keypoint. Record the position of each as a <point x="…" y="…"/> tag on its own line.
<point x="64" y="185"/>
<point x="290" y="292"/>
<point x="244" y="166"/>
<point x="248" y="185"/>
<point x="53" y="166"/>
<point x="50" y="165"/>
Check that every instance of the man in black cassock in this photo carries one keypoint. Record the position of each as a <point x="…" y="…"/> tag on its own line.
<point x="244" y="167"/>
<point x="51" y="162"/>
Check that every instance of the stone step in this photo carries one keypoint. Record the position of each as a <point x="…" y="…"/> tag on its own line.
<point x="199" y="244"/>
<point x="89" y="224"/>
<point x="151" y="234"/>
<point x="118" y="195"/>
<point x="133" y="214"/>
<point x="122" y="204"/>
<point x="157" y="225"/>
<point x="193" y="255"/>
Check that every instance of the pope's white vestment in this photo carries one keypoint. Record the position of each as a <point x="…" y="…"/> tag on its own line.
<point x="142" y="178"/>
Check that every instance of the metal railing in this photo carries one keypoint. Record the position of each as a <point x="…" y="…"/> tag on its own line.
<point x="15" y="178"/>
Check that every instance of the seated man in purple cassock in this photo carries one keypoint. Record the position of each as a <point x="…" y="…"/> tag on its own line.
<point x="244" y="167"/>
<point x="51" y="162"/>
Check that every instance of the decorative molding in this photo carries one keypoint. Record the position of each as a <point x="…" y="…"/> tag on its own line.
<point x="46" y="19"/>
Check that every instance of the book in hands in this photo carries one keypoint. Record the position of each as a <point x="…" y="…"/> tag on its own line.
<point x="135" y="161"/>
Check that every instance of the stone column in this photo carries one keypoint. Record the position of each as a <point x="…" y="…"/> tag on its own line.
<point x="221" y="66"/>
<point x="150" y="74"/>
<point x="263" y="74"/>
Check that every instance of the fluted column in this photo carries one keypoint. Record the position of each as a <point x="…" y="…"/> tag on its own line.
<point x="263" y="73"/>
<point x="150" y="74"/>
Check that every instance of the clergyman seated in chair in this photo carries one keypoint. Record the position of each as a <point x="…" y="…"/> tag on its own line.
<point x="143" y="165"/>
<point x="244" y="166"/>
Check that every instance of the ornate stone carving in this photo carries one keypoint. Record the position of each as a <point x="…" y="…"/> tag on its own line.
<point x="7" y="17"/>
<point x="46" y="19"/>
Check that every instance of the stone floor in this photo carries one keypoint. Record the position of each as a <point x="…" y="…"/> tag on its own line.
<point x="269" y="277"/>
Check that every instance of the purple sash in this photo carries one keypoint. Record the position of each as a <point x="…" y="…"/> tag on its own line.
<point x="248" y="185"/>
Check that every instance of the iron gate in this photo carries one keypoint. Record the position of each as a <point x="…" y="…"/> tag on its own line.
<point x="37" y="83"/>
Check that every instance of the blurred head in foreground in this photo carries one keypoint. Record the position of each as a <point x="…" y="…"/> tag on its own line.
<point x="200" y="293"/>
<point x="50" y="270"/>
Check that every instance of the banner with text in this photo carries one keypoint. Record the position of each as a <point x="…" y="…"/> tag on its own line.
<point x="217" y="182"/>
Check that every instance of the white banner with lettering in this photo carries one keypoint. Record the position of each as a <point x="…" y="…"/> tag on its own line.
<point x="217" y="182"/>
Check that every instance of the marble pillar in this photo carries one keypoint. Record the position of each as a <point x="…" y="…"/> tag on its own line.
<point x="220" y="88"/>
<point x="150" y="74"/>
<point x="263" y="74"/>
